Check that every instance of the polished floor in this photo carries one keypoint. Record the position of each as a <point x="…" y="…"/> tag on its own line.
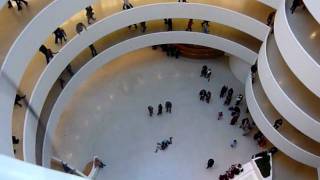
<point x="107" y="117"/>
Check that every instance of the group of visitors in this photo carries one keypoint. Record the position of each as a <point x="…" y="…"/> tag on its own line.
<point x="168" y="106"/>
<point x="163" y="145"/>
<point x="206" y="72"/>
<point x="234" y="170"/>
<point x="18" y="3"/>
<point x="170" y="49"/>
<point x="205" y="95"/>
<point x="260" y="138"/>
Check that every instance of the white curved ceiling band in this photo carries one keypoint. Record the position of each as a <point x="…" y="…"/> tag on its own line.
<point x="314" y="8"/>
<point x="121" y="20"/>
<point x="21" y="53"/>
<point x="306" y="69"/>
<point x="124" y="48"/>
<point x="273" y="135"/>
<point x="280" y="100"/>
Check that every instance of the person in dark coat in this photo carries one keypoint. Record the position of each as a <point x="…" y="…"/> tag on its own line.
<point x="62" y="82"/>
<point x="143" y="27"/>
<point x="15" y="140"/>
<point x="46" y="52"/>
<point x="223" y="91"/>
<point x="80" y="27"/>
<point x="202" y="94"/>
<point x="278" y="123"/>
<point x="189" y="26"/>
<point x="168" y="106"/>
<point x="150" y="110"/>
<point x="69" y="69"/>
<point x="234" y="120"/>
<point x="239" y="99"/>
<point x="210" y="163"/>
<point x="93" y="50"/>
<point x="227" y="101"/>
<point x="208" y="97"/>
<point x="230" y="92"/>
<point x="204" y="71"/>
<point x="159" y="109"/>
<point x="18" y="99"/>
<point x="9" y="4"/>
<point x="270" y="18"/>
<point x="295" y="4"/>
<point x="90" y="15"/>
<point x="169" y="24"/>
<point x="60" y="35"/>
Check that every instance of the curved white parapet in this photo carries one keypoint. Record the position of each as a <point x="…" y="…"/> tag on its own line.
<point x="21" y="53"/>
<point x="314" y="8"/>
<point x="286" y="107"/>
<point x="272" y="3"/>
<point x="123" y="19"/>
<point x="239" y="68"/>
<point x="299" y="61"/>
<point x="273" y="135"/>
<point x="113" y="52"/>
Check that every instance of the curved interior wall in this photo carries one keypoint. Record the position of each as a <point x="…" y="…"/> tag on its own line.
<point x="20" y="55"/>
<point x="239" y="68"/>
<point x="286" y="107"/>
<point x="107" y="56"/>
<point x="121" y="20"/>
<point x="273" y="135"/>
<point x="294" y="53"/>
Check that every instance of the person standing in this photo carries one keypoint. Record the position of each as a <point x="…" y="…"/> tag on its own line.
<point x="69" y="69"/>
<point x="90" y="15"/>
<point x="61" y="82"/>
<point x="210" y="163"/>
<point x="234" y="120"/>
<point x="150" y="110"/>
<point x="189" y="26"/>
<point x="168" y="106"/>
<point x="244" y="123"/>
<point x="223" y="91"/>
<point x="234" y="143"/>
<point x="278" y="123"/>
<point x="60" y="35"/>
<point x="204" y="71"/>
<point x="205" y="26"/>
<point x="220" y="115"/>
<point x="202" y="94"/>
<point x="93" y="50"/>
<point x="208" y="74"/>
<point x="208" y="97"/>
<point x="80" y="27"/>
<point x="270" y="18"/>
<point x="170" y="24"/>
<point x="159" y="109"/>
<point x="143" y="27"/>
<point x="239" y="99"/>
<point x="294" y="5"/>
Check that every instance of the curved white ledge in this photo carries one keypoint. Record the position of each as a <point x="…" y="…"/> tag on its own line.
<point x="273" y="135"/>
<point x="118" y="50"/>
<point x="121" y="20"/>
<point x="286" y="107"/>
<point x="20" y="54"/>
<point x="313" y="7"/>
<point x="299" y="61"/>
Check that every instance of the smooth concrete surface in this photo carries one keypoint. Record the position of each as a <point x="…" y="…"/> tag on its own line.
<point x="300" y="104"/>
<point x="139" y="14"/>
<point x="108" y="117"/>
<point x="301" y="54"/>
<point x="239" y="68"/>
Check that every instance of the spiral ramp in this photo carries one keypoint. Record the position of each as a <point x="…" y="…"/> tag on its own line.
<point x="282" y="89"/>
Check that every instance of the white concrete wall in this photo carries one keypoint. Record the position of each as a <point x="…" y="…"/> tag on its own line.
<point x="239" y="68"/>
<point x="273" y="135"/>
<point x="285" y="106"/>
<point x="299" y="61"/>
<point x="123" y="19"/>
<point x="21" y="53"/>
<point x="113" y="52"/>
<point x="314" y="8"/>
<point x="272" y="3"/>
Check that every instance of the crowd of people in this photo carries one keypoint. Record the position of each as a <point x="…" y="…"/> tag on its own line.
<point x="168" y="106"/>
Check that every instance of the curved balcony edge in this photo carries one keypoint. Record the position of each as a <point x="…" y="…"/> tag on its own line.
<point x="121" y="20"/>
<point x="286" y="107"/>
<point x="294" y="53"/>
<point x="273" y="135"/>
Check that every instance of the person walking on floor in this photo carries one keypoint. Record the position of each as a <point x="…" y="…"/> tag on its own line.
<point x="234" y="143"/>
<point x="208" y="97"/>
<point x="90" y="15"/>
<point x="168" y="106"/>
<point x="223" y="91"/>
<point x="202" y="94"/>
<point x="159" y="109"/>
<point x="93" y="50"/>
<point x="189" y="26"/>
<point x="278" y="123"/>
<point x="208" y="74"/>
<point x="150" y="110"/>
<point x="244" y="123"/>
<point x="210" y="163"/>
<point x="239" y="99"/>
<point x="230" y="92"/>
<point x="143" y="27"/>
<point x="18" y="99"/>
<point x="234" y="120"/>
<point x="220" y="115"/>
<point x="227" y="101"/>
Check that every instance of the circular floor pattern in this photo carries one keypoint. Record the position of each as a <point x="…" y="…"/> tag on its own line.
<point x="107" y="117"/>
